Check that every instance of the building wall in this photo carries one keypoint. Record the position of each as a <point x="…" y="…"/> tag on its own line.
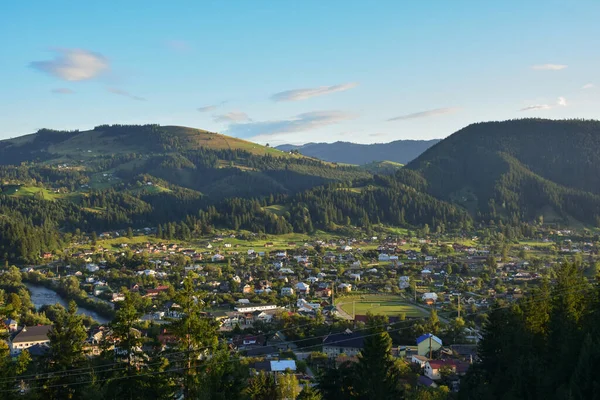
<point x="17" y="348"/>
<point x="334" y="351"/>
<point x="423" y="347"/>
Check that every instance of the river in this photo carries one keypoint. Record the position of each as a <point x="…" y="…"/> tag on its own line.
<point x="41" y="295"/>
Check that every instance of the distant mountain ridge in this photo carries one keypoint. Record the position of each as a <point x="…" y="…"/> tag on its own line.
<point x="399" y="151"/>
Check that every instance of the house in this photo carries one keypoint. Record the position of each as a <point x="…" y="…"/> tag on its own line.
<point x="345" y="287"/>
<point x="404" y="282"/>
<point x="254" y="307"/>
<point x="383" y="257"/>
<point x="11" y="325"/>
<point x="324" y="292"/>
<point x="118" y="297"/>
<point x="433" y="368"/>
<point x="30" y="336"/>
<point x="247" y="289"/>
<point x="348" y="343"/>
<point x="427" y="343"/>
<point x="287" y="291"/>
<point x="419" y="360"/>
<point x="355" y="277"/>
<point x="302" y="288"/>
<point x="429" y="298"/>
<point x="217" y="258"/>
<point x="92" y="267"/>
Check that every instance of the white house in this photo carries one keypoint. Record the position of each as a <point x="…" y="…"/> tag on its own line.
<point x="287" y="291"/>
<point x="404" y="282"/>
<point x="312" y="279"/>
<point x="254" y="307"/>
<point x="383" y="257"/>
<point x="30" y="336"/>
<point x="430" y="296"/>
<point x="302" y="288"/>
<point x="92" y="267"/>
<point x="217" y="257"/>
<point x="345" y="287"/>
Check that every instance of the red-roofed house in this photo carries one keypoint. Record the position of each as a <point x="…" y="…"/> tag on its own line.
<point x="433" y="368"/>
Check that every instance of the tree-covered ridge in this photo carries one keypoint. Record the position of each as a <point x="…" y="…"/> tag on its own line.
<point x="515" y="169"/>
<point x="544" y="347"/>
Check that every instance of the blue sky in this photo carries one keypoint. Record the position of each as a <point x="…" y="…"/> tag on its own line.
<point x="297" y="71"/>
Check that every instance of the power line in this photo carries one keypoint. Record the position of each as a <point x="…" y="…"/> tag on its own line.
<point x="585" y="286"/>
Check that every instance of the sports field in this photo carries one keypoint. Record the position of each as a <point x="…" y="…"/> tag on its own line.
<point x="389" y="305"/>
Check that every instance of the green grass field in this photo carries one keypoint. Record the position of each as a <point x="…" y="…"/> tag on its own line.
<point x="31" y="191"/>
<point x="389" y="305"/>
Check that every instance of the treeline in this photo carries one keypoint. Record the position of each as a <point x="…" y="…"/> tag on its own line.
<point x="544" y="347"/>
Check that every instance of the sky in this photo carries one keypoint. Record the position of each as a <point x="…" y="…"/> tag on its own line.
<point x="297" y="71"/>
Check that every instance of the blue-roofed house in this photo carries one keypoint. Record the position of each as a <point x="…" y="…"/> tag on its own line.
<point x="427" y="343"/>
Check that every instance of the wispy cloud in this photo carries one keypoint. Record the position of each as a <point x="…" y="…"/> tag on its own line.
<point x="377" y="134"/>
<point x="73" y="65"/>
<point x="561" y="102"/>
<point x="426" y="114"/>
<point x="299" y="123"/>
<point x="62" y="91"/>
<point x="549" y="67"/>
<point x="588" y="86"/>
<point x="232" y="117"/>
<point x="206" y="108"/>
<point x="536" y="107"/>
<point x="125" y="93"/>
<point x="303" y="94"/>
<point x="178" y="45"/>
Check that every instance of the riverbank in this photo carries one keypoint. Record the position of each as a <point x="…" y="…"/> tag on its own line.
<point x="102" y="310"/>
<point x="43" y="296"/>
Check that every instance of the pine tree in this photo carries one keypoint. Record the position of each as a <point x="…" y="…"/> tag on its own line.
<point x="67" y="338"/>
<point x="379" y="375"/>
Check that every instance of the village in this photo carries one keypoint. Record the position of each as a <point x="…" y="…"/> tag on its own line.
<point x="432" y="291"/>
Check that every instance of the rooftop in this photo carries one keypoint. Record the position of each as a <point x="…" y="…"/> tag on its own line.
<point x="33" y="334"/>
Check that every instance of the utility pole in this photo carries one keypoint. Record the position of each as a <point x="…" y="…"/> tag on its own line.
<point x="459" y="305"/>
<point x="353" y="311"/>
<point x="430" y="348"/>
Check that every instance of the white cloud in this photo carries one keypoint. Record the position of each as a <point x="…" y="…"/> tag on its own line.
<point x="73" y="65"/>
<point x="299" y="123"/>
<point x="561" y="102"/>
<point x="62" y="91"/>
<point x="125" y="94"/>
<point x="426" y="114"/>
<point x="303" y="94"/>
<point x="232" y="117"/>
<point x="588" y="86"/>
<point x="549" y="67"/>
<point x="536" y="107"/>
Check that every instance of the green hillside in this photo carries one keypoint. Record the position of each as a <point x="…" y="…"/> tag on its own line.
<point x="382" y="167"/>
<point x="517" y="169"/>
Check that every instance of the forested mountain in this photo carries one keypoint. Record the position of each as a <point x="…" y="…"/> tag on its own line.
<point x="518" y="170"/>
<point x="399" y="151"/>
<point x="188" y="182"/>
